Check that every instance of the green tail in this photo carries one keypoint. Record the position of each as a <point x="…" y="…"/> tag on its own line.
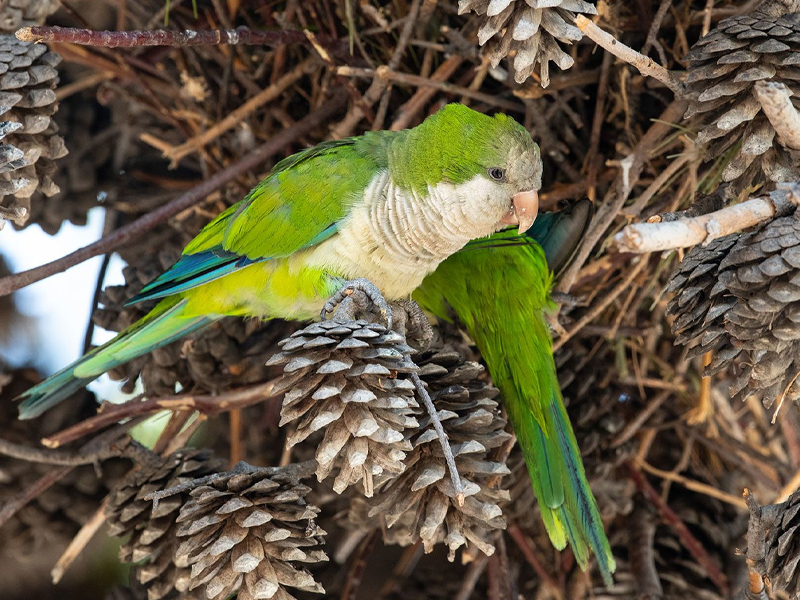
<point x="163" y="325"/>
<point x="569" y="510"/>
<point x="499" y="289"/>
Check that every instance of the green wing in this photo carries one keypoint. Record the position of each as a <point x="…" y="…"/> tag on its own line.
<point x="298" y="205"/>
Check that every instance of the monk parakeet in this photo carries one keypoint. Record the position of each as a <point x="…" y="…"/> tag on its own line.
<point x="499" y="289"/>
<point x="385" y="206"/>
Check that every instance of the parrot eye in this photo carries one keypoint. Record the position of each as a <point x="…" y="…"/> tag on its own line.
<point x="497" y="174"/>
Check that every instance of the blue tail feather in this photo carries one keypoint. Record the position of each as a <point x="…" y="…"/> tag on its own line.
<point x="140" y="339"/>
<point x="191" y="271"/>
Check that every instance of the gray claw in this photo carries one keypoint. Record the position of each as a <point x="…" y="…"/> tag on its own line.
<point x="355" y="296"/>
<point x="411" y="322"/>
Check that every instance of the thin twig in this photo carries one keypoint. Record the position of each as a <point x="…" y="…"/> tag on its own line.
<point x="655" y="26"/>
<point x="236" y="117"/>
<point x="522" y="543"/>
<point x="375" y="90"/>
<point x="630" y="170"/>
<point x="646" y="65"/>
<point x="641" y="537"/>
<point x="606" y="301"/>
<point x="80" y="541"/>
<point x="355" y="574"/>
<point x="88" y="455"/>
<point x="501" y="584"/>
<point x="402" y="569"/>
<point x="471" y="577"/>
<point x="408" y="111"/>
<point x="15" y="503"/>
<point x="128" y="233"/>
<point x="668" y="235"/>
<point x="440" y="433"/>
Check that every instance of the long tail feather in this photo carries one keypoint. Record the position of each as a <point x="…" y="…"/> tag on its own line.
<point x="163" y="325"/>
<point x="554" y="463"/>
<point x="500" y="294"/>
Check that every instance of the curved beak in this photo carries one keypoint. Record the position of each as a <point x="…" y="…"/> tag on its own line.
<point x="524" y="207"/>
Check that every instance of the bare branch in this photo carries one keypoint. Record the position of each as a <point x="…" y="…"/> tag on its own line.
<point x="235" y="117"/>
<point x="168" y="37"/>
<point x="207" y="404"/>
<point x="630" y="169"/>
<point x="668" y="235"/>
<point x="385" y="73"/>
<point x="774" y="99"/>
<point x="89" y="454"/>
<point x="646" y="65"/>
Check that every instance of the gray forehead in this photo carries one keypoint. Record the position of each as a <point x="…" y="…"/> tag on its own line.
<point x="526" y="162"/>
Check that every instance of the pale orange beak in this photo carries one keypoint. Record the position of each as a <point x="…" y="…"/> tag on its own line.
<point x="524" y="207"/>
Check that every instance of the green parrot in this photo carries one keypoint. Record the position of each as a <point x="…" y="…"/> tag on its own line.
<point x="387" y="207"/>
<point x="499" y="289"/>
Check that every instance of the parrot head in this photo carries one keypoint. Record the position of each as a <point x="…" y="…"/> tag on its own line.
<point x="484" y="171"/>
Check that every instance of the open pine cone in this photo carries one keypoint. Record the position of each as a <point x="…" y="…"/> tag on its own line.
<point x="421" y="503"/>
<point x="737" y="297"/>
<point x="27" y="77"/>
<point x="245" y="532"/>
<point x="153" y="531"/>
<point x="349" y="379"/>
<point x="782" y="550"/>
<point x="24" y="13"/>
<point x="724" y="67"/>
<point x="532" y="30"/>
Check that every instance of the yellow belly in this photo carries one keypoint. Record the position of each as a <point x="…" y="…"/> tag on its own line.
<point x="284" y="288"/>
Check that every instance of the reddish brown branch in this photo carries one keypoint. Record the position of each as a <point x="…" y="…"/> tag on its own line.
<point x="169" y="37"/>
<point x="130" y="232"/>
<point x="355" y="574"/>
<point x="206" y="404"/>
<point x="522" y="543"/>
<point x="690" y="542"/>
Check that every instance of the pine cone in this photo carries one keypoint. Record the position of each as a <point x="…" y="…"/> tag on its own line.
<point x="25" y="13"/>
<point x="27" y="78"/>
<point x="723" y="69"/>
<point x="782" y="550"/>
<point x="153" y="531"/>
<point x="85" y="177"/>
<point x="420" y="504"/>
<point x="243" y="532"/>
<point x="738" y="298"/>
<point x="350" y="379"/>
<point x="531" y="32"/>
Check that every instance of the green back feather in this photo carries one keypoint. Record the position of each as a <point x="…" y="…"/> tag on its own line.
<point x="304" y="196"/>
<point x="499" y="290"/>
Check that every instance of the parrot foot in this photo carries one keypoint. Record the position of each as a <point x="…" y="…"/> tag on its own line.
<point x="410" y="321"/>
<point x="356" y="296"/>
